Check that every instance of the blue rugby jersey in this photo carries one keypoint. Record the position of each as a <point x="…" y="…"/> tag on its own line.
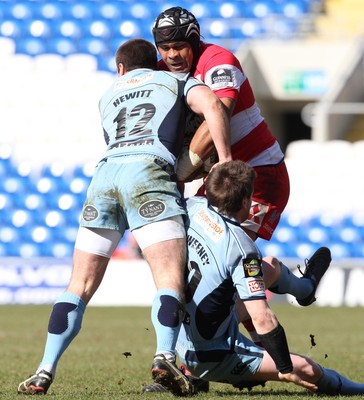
<point x="144" y="112"/>
<point x="223" y="263"/>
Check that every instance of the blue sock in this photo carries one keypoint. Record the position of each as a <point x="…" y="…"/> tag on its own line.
<point x="292" y="284"/>
<point x="333" y="383"/>
<point x="167" y="314"/>
<point x="64" y="324"/>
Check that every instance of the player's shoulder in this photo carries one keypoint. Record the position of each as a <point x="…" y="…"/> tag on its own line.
<point x="210" y="50"/>
<point x="194" y="202"/>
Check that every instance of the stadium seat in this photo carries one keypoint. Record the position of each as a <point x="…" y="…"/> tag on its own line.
<point x="53" y="218"/>
<point x="229" y="10"/>
<point x="215" y="28"/>
<point x="97" y="28"/>
<point x="22" y="10"/>
<point x="286" y="234"/>
<point x="140" y="11"/>
<point x="55" y="170"/>
<point x="28" y="250"/>
<point x="351" y="235"/>
<point x="342" y="250"/>
<point x="246" y="28"/>
<point x="66" y="234"/>
<point x="303" y="250"/>
<point x="358" y="250"/>
<point x="93" y="46"/>
<point x="319" y="235"/>
<point x="41" y="234"/>
<point x="70" y="29"/>
<point x="258" y="9"/>
<point x="53" y="10"/>
<point x="22" y="218"/>
<point x="51" y="185"/>
<point x="82" y="10"/>
<point x="6" y="203"/>
<point x="281" y="27"/>
<point x="65" y="202"/>
<point x="9" y="234"/>
<point x="11" y="29"/>
<point x="292" y="8"/>
<point x="6" y="250"/>
<point x="15" y="184"/>
<point x="7" y="169"/>
<point x="37" y="29"/>
<point x="126" y="29"/>
<point x="110" y="10"/>
<point x="29" y="201"/>
<point x="84" y="171"/>
<point x="58" y="250"/>
<point x="79" y="185"/>
<point x="62" y="45"/>
<point x="275" y="249"/>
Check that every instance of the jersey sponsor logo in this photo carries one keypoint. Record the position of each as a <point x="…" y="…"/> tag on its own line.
<point x="132" y="81"/>
<point x="90" y="213"/>
<point x="210" y="227"/>
<point x="151" y="209"/>
<point x="221" y="78"/>
<point x="256" y="285"/>
<point x="224" y="76"/>
<point x="252" y="267"/>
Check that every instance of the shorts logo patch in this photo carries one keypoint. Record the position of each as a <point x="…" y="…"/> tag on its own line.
<point x="252" y="267"/>
<point x="151" y="209"/>
<point x="90" y="213"/>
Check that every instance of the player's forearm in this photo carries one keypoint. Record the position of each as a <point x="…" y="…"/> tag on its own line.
<point x="275" y="343"/>
<point x="219" y="127"/>
<point x="202" y="143"/>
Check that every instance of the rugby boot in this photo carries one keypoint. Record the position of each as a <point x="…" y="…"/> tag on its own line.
<point x="316" y="267"/>
<point x="36" y="384"/>
<point x="168" y="375"/>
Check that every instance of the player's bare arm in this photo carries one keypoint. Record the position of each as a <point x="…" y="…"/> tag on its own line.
<point x="201" y="142"/>
<point x="204" y="103"/>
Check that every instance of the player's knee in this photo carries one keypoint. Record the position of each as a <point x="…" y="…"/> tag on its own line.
<point x="271" y="267"/>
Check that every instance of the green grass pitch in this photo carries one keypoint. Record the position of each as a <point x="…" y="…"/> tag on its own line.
<point x="111" y="357"/>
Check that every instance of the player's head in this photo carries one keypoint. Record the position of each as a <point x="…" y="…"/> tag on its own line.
<point x="177" y="25"/>
<point x="136" y="53"/>
<point x="229" y="187"/>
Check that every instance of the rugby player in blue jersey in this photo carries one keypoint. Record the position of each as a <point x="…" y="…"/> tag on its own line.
<point x="224" y="264"/>
<point x="133" y="187"/>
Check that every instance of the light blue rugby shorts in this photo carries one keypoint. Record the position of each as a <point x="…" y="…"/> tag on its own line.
<point x="129" y="192"/>
<point x="231" y="359"/>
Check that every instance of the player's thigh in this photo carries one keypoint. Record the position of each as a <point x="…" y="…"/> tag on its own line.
<point x="164" y="247"/>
